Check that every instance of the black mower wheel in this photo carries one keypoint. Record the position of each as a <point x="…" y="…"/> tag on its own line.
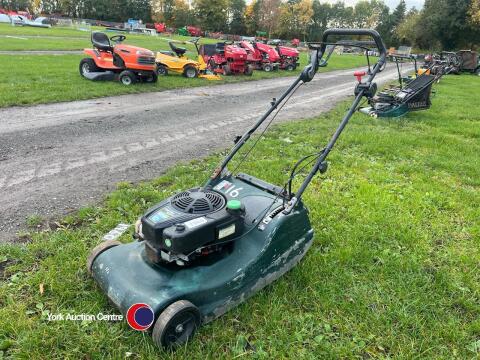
<point x="477" y="72"/>
<point x="162" y="70"/>
<point x="87" y="65"/>
<point x="176" y="325"/>
<point x="97" y="250"/>
<point x="152" y="78"/>
<point x="190" y="71"/>
<point x="249" y="70"/>
<point x="227" y="70"/>
<point x="127" y="78"/>
<point x="290" y="67"/>
<point x="267" y="67"/>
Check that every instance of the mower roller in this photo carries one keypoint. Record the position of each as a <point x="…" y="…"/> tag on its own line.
<point x="205" y="250"/>
<point x="125" y="63"/>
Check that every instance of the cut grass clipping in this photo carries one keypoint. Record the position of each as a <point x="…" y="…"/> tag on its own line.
<point x="393" y="271"/>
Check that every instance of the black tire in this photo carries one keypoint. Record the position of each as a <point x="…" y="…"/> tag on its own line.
<point x="97" y="250"/>
<point x="87" y="65"/>
<point x="477" y="71"/>
<point x="226" y="70"/>
<point x="290" y="67"/>
<point x="127" y="78"/>
<point x="162" y="70"/>
<point x="249" y="70"/>
<point x="267" y="67"/>
<point x="152" y="78"/>
<point x="190" y="71"/>
<point x="176" y="325"/>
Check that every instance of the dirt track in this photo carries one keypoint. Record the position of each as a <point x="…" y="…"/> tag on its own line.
<point x="56" y="158"/>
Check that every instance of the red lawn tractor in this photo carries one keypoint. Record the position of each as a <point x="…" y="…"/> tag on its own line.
<point x="125" y="63"/>
<point x="288" y="57"/>
<point x="194" y="31"/>
<point x="262" y="56"/>
<point x="226" y="58"/>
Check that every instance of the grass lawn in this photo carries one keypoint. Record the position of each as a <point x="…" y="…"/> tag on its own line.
<point x="28" y="38"/>
<point x="34" y="79"/>
<point x="393" y="271"/>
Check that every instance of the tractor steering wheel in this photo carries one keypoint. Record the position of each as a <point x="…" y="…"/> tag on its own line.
<point x="118" y="38"/>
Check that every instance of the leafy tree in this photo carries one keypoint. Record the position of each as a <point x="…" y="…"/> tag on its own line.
<point x="474" y="12"/>
<point x="407" y="31"/>
<point x="269" y="14"/>
<point x="212" y="14"/>
<point x="342" y="16"/>
<point x="295" y="17"/>
<point x="322" y="14"/>
<point x="252" y="17"/>
<point x="236" y="12"/>
<point x="446" y="23"/>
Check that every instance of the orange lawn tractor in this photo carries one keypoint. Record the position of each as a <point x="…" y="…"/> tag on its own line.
<point x="125" y="63"/>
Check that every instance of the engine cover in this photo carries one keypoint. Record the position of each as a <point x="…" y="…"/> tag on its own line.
<point x="188" y="221"/>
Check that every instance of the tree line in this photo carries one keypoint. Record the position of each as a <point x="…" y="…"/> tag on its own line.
<point x="445" y="24"/>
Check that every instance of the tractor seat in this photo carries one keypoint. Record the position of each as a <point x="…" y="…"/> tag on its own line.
<point x="220" y="48"/>
<point x="101" y="41"/>
<point x="177" y="50"/>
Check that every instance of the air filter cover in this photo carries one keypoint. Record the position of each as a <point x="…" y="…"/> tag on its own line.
<point x="198" y="201"/>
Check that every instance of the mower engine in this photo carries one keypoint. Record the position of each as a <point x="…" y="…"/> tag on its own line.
<point x="194" y="223"/>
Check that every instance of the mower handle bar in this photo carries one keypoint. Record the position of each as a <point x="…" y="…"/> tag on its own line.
<point x="356" y="32"/>
<point x="316" y="60"/>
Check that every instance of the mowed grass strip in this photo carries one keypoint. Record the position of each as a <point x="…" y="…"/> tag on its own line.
<point x="393" y="271"/>
<point x="35" y="79"/>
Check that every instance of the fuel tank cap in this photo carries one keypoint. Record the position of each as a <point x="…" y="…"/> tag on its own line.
<point x="234" y="204"/>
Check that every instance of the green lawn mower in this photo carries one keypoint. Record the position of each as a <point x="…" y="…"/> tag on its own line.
<point x="411" y="95"/>
<point x="205" y="250"/>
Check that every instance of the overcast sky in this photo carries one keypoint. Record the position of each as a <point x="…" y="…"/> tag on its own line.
<point x="391" y="3"/>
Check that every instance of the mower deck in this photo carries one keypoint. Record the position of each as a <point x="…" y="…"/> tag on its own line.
<point x="257" y="258"/>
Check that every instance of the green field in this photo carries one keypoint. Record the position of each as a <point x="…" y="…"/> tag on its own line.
<point x="393" y="272"/>
<point x="29" y="38"/>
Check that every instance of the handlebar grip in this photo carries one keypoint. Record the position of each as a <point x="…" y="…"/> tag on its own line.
<point x="361" y="32"/>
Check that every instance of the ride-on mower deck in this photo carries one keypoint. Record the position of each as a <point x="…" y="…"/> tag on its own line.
<point x="205" y="250"/>
<point x="125" y="63"/>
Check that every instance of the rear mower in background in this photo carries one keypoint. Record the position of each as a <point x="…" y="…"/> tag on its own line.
<point x="470" y="61"/>
<point x="288" y="57"/>
<point x="226" y="58"/>
<point x="205" y="250"/>
<point x="261" y="56"/>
